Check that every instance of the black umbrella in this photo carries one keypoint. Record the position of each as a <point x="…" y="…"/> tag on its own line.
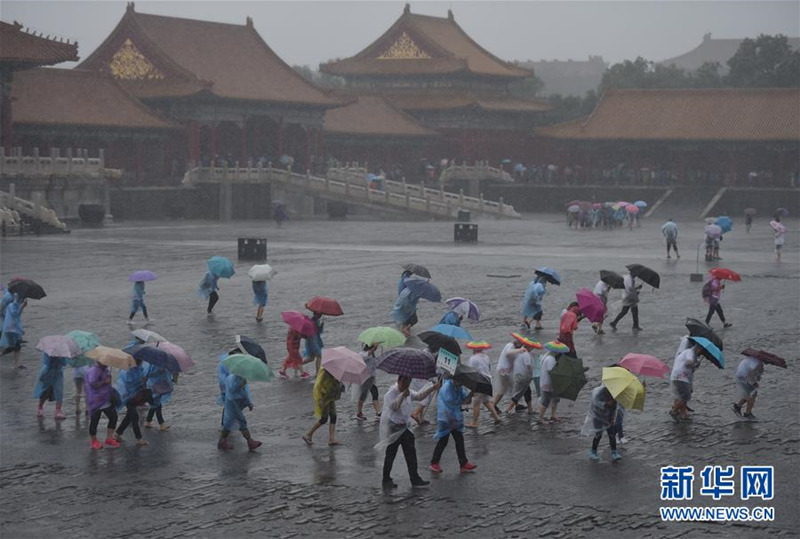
<point x="568" y="377"/>
<point x="416" y="269"/>
<point x="761" y="355"/>
<point x="249" y="346"/>
<point x="698" y="328"/>
<point x="436" y="340"/>
<point x="26" y="288"/>
<point x="473" y="380"/>
<point x="645" y="274"/>
<point x="612" y="279"/>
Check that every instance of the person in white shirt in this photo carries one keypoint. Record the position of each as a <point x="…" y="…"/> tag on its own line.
<point x="481" y="363"/>
<point x="548" y="399"/>
<point x="601" y="290"/>
<point x="748" y="376"/>
<point x="523" y="373"/>
<point x="630" y="302"/>
<point x="394" y="430"/>
<point x="505" y="368"/>
<point x="682" y="378"/>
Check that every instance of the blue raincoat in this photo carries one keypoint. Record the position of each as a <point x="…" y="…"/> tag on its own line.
<point x="260" y="293"/>
<point x="222" y="374"/>
<point x="405" y="306"/>
<point x="129" y="384"/>
<point x="451" y="318"/>
<point x="401" y="284"/>
<point x="314" y="343"/>
<point x="51" y="376"/>
<point x="137" y="296"/>
<point x="449" y="416"/>
<point x="208" y="285"/>
<point x="159" y="380"/>
<point x="12" y="326"/>
<point x="7" y="299"/>
<point x="531" y="303"/>
<point x="237" y="398"/>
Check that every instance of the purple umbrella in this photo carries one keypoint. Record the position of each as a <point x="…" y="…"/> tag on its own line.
<point x="465" y="307"/>
<point x="142" y="275"/>
<point x="713" y="231"/>
<point x="408" y="362"/>
<point x="590" y="305"/>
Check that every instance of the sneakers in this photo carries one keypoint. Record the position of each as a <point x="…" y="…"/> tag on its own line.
<point x="737" y="409"/>
<point x="726" y="325"/>
<point x="468" y="467"/>
<point x="148" y="424"/>
<point x="593" y="454"/>
<point x="674" y="416"/>
<point x="613" y="326"/>
<point x="282" y="373"/>
<point x="111" y="442"/>
<point x="304" y="375"/>
<point x="388" y="483"/>
<point x="141" y="442"/>
<point x="623" y="440"/>
<point x="419" y="482"/>
<point x="638" y="328"/>
<point x="96" y="444"/>
<point x="117" y="437"/>
<point x="60" y="415"/>
<point x="163" y="427"/>
<point x="224" y="445"/>
<point x="435" y="468"/>
<point x="748" y="416"/>
<point x="252" y="445"/>
<point x="615" y="456"/>
<point x="130" y="323"/>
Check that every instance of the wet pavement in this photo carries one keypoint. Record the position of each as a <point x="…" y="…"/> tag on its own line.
<point x="532" y="480"/>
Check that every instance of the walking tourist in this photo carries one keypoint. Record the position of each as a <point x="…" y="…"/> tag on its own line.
<point x="450" y="422"/>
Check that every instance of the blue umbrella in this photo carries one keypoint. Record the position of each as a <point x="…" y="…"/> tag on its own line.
<point x="725" y="223"/>
<point x="142" y="275"/>
<point x="713" y="353"/>
<point x="221" y="267"/>
<point x="456" y="332"/>
<point x="550" y="275"/>
<point x="154" y="356"/>
<point x="640" y="204"/>
<point x="424" y="290"/>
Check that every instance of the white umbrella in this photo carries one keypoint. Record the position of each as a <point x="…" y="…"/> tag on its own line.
<point x="261" y="272"/>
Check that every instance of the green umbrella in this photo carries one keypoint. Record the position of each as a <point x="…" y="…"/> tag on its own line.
<point x="248" y="367"/>
<point x="388" y="337"/>
<point x="86" y="341"/>
<point x="567" y="377"/>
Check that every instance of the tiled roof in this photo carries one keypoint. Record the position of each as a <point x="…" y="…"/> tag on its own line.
<point x="76" y="97"/>
<point x="423" y="45"/>
<point x="373" y="116"/>
<point x="29" y="50"/>
<point x="713" y="50"/>
<point x="189" y="56"/>
<point x="450" y="101"/>
<point x="759" y="114"/>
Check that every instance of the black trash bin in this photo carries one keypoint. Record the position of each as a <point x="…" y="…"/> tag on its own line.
<point x="465" y="233"/>
<point x="92" y="214"/>
<point x="464" y="216"/>
<point x="253" y="249"/>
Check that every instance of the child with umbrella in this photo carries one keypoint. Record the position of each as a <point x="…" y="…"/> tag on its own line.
<point x="599" y="418"/>
<point x="368" y="355"/>
<point x="548" y="361"/>
<point x="327" y="390"/>
<point x="236" y="399"/>
<point x="394" y="431"/>
<point x="480" y="362"/>
<point x="712" y="292"/>
<point x="450" y="422"/>
<point x="159" y="382"/>
<point x="100" y="396"/>
<point x="260" y="298"/>
<point x="314" y="342"/>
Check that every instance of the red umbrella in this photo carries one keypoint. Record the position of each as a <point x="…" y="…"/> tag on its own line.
<point x="726" y="274"/>
<point x="323" y="305"/>
<point x="590" y="305"/>
<point x="766" y="357"/>
<point x="300" y="323"/>
<point x="645" y="365"/>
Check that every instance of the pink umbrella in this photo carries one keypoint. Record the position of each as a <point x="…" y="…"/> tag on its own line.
<point x="300" y="323"/>
<point x="777" y="226"/>
<point x="597" y="205"/>
<point x="345" y="365"/>
<point x="590" y="305"/>
<point x="645" y="365"/>
<point x="630" y="208"/>
<point x="181" y="356"/>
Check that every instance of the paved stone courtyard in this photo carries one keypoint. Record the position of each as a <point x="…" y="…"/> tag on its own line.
<point x="532" y="480"/>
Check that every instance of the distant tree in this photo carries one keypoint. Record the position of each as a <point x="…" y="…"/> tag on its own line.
<point x="529" y="87"/>
<point x="707" y="76"/>
<point x="320" y="79"/>
<point x="767" y="61"/>
<point x="569" y="107"/>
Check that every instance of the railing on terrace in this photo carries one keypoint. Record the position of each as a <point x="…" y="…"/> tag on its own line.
<point x="399" y="195"/>
<point x="31" y="209"/>
<point x="17" y="164"/>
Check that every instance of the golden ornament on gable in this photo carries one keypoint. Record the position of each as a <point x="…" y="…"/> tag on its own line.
<point x="404" y="49"/>
<point x="130" y="64"/>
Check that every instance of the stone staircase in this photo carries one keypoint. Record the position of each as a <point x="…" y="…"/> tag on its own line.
<point x="350" y="186"/>
<point x="18" y="215"/>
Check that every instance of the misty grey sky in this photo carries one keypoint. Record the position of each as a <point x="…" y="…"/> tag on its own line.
<point x="305" y="32"/>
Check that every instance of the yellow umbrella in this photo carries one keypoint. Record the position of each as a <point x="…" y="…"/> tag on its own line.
<point x="111" y="357"/>
<point x="624" y="387"/>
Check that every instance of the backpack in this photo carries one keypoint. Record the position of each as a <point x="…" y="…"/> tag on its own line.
<point x="707" y="291"/>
